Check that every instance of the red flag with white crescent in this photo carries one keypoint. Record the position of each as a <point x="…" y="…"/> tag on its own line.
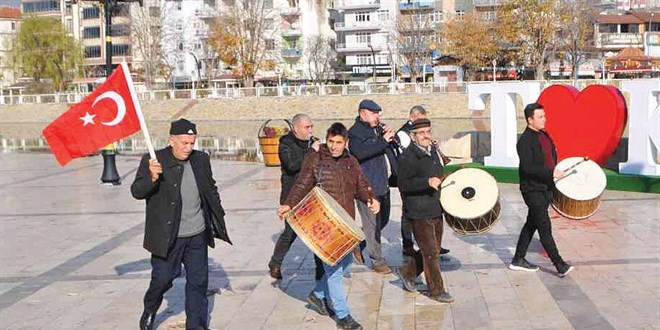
<point x="105" y="116"/>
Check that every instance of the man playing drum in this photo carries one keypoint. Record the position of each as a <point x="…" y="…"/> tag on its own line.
<point x="538" y="158"/>
<point x="292" y="150"/>
<point x="403" y="135"/>
<point x="339" y="174"/>
<point x="420" y="175"/>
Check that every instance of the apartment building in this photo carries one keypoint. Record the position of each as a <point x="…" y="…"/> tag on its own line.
<point x="365" y="37"/>
<point x="10" y="20"/>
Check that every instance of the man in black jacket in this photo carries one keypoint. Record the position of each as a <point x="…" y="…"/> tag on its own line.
<point x="404" y="140"/>
<point x="420" y="175"/>
<point x="183" y="215"/>
<point x="292" y="150"/>
<point x="370" y="142"/>
<point x="537" y="172"/>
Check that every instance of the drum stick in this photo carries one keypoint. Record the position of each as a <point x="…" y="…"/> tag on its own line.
<point x="572" y="168"/>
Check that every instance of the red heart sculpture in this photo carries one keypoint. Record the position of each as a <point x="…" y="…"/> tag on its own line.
<point x="588" y="123"/>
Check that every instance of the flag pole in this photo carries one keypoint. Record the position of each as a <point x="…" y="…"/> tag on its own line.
<point x="138" y="110"/>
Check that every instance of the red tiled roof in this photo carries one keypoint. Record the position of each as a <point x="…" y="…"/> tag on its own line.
<point x="635" y="17"/>
<point x="9" y="12"/>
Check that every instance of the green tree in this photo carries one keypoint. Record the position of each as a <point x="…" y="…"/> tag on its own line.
<point x="44" y="50"/>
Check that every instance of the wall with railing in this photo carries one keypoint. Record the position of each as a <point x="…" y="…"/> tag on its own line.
<point x="10" y="97"/>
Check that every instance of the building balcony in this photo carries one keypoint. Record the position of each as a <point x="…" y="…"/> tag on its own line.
<point x="620" y="40"/>
<point x="356" y="26"/>
<point x="351" y="48"/>
<point x="292" y="31"/>
<point x="290" y="11"/>
<point x="291" y="52"/>
<point x="356" y="4"/>
<point x="205" y="13"/>
<point x="416" y="5"/>
<point x="487" y="3"/>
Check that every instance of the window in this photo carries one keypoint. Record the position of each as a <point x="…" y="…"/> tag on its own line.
<point x="121" y="10"/>
<point x="92" y="51"/>
<point x="268" y="4"/>
<point x="13" y="26"/>
<point x="383" y="15"/>
<point x="197" y="46"/>
<point x="119" y="30"/>
<point x="41" y="6"/>
<point x="69" y="25"/>
<point x="435" y="17"/>
<point x="364" y="59"/>
<point x="490" y="15"/>
<point x="269" y="23"/>
<point x="362" y="16"/>
<point x="270" y="44"/>
<point x="68" y="8"/>
<point x="91" y="12"/>
<point x="154" y="11"/>
<point x="121" y="50"/>
<point x="92" y="32"/>
<point x="178" y="5"/>
<point x="629" y="28"/>
<point x="180" y="65"/>
<point x="179" y="26"/>
<point x="363" y="37"/>
<point x="459" y="15"/>
<point x="607" y="28"/>
<point x="181" y="46"/>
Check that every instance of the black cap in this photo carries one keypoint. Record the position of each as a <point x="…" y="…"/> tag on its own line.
<point x="183" y="126"/>
<point x="369" y="105"/>
<point x="420" y="123"/>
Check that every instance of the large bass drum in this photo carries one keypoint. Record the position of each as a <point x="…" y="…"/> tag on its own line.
<point x="325" y="227"/>
<point x="470" y="200"/>
<point x="577" y="195"/>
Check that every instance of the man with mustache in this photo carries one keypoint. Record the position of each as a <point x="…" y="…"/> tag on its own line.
<point x="420" y="175"/>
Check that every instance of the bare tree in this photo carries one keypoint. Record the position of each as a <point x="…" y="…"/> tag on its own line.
<point x="415" y="34"/>
<point x="239" y="36"/>
<point x="576" y="36"/>
<point x="147" y="32"/>
<point x="321" y="58"/>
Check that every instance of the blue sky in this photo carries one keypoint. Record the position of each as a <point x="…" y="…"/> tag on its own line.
<point x="10" y="3"/>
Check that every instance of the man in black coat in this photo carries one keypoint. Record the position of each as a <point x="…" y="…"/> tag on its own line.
<point x="538" y="158"/>
<point x="292" y="150"/>
<point x="183" y="215"/>
<point x="420" y="175"/>
<point x="404" y="140"/>
<point x="370" y="141"/>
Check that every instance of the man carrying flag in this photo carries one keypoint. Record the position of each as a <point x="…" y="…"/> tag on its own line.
<point x="183" y="214"/>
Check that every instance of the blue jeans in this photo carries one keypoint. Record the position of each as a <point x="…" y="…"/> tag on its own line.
<point x="332" y="286"/>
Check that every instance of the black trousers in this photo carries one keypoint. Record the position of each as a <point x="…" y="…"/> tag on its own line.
<point x="192" y="252"/>
<point x="283" y="245"/>
<point x="537" y="219"/>
<point x="406" y="233"/>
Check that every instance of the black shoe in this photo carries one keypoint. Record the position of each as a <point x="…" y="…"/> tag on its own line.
<point x="147" y="320"/>
<point x="348" y="323"/>
<point x="409" y="251"/>
<point x="443" y="251"/>
<point x="523" y="265"/>
<point x="275" y="271"/>
<point x="563" y="268"/>
<point x="319" y="304"/>
<point x="444" y="297"/>
<point x="408" y="285"/>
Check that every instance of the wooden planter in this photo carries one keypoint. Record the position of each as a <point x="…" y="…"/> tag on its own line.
<point x="269" y="145"/>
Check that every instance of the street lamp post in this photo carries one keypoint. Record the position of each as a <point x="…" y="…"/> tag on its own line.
<point x="494" y="64"/>
<point x="373" y="59"/>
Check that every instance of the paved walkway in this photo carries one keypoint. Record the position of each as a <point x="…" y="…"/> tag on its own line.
<point x="71" y="258"/>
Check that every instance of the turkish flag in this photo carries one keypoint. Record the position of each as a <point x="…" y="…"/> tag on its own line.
<point x="106" y="115"/>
